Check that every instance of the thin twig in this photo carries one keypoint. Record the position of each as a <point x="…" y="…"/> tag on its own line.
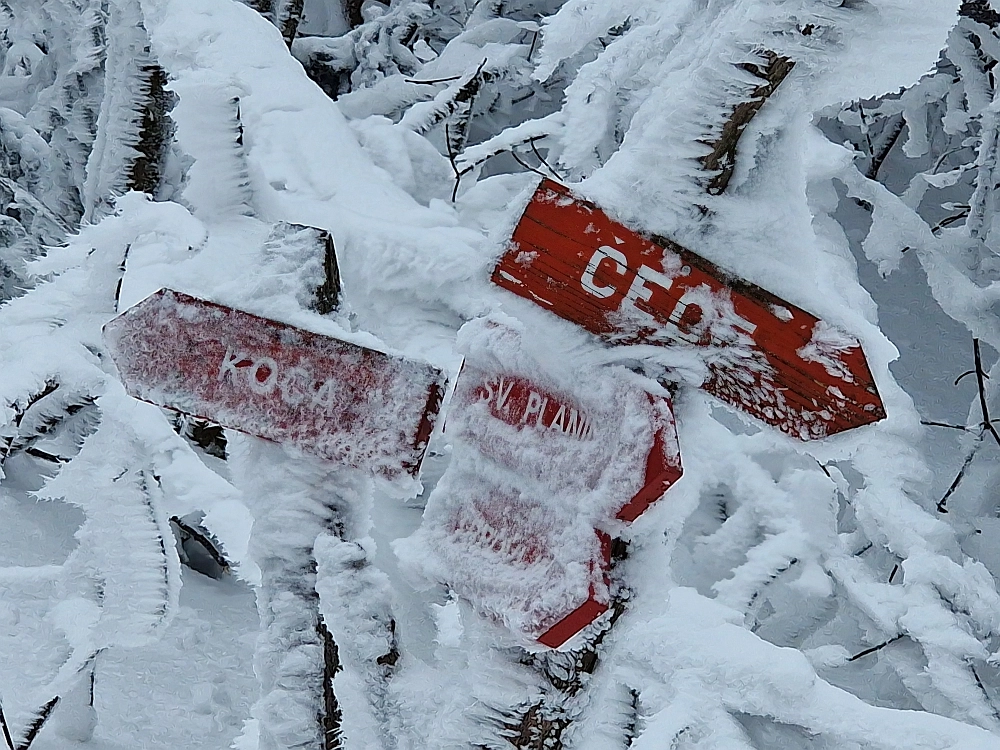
<point x="6" y="730"/>
<point x="531" y="49"/>
<point x="548" y="166"/>
<point x="525" y="164"/>
<point x="45" y="456"/>
<point x="980" y="379"/>
<point x="943" y="502"/>
<point x="945" y="155"/>
<point x="989" y="701"/>
<point x="895" y="569"/>
<point x="121" y="278"/>
<point x="949" y="220"/>
<point x="451" y="159"/>
<point x="883" y="152"/>
<point x="38" y="723"/>
<point x="879" y="647"/>
<point x="964" y="375"/>
<point x="985" y="426"/>
<point x="433" y="80"/>
<point x="930" y="423"/>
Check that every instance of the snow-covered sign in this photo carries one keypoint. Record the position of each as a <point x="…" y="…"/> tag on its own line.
<point x="540" y="480"/>
<point x="349" y="404"/>
<point x="554" y="439"/>
<point x="517" y="551"/>
<point x="765" y="356"/>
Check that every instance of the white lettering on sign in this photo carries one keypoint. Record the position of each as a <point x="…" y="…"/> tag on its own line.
<point x="295" y="385"/>
<point x="638" y="289"/>
<point x="537" y="412"/>
<point x="263" y="375"/>
<point x="230" y="362"/>
<point x="687" y="311"/>
<point x="602" y="253"/>
<point x="536" y="406"/>
<point x="576" y="424"/>
<point x="499" y="391"/>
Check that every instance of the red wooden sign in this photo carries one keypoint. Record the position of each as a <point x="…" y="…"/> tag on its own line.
<point x="765" y="356"/>
<point x="557" y="440"/>
<point x="343" y="402"/>
<point x="595" y="605"/>
<point x="519" y="561"/>
<point x="538" y="477"/>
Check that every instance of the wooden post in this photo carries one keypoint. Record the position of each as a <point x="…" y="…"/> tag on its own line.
<point x="294" y="501"/>
<point x="722" y="159"/>
<point x="155" y="135"/>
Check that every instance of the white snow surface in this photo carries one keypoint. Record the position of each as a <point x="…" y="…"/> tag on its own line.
<point x="759" y="523"/>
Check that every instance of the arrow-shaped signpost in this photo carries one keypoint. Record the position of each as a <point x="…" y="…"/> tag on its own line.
<point x="354" y="410"/>
<point x="765" y="356"/>
<point x="543" y="474"/>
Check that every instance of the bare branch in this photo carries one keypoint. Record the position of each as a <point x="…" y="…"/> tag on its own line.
<point x="534" y="150"/>
<point x="980" y="380"/>
<point x="525" y="164"/>
<point x="943" y="502"/>
<point x="879" y="647"/>
<point x="36" y="726"/>
<point x="722" y="158"/>
<point x="6" y="730"/>
<point x="930" y="423"/>
<point x="880" y="155"/>
<point x="432" y="81"/>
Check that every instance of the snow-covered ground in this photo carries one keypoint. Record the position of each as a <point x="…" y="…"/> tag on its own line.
<point x="192" y="688"/>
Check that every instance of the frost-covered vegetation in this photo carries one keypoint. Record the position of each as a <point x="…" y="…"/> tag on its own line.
<point x="835" y="593"/>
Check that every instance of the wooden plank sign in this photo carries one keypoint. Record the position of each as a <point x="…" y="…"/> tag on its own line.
<point x="626" y="447"/>
<point x="765" y="356"/>
<point x="518" y="560"/>
<point x="340" y="401"/>
<point x="538" y="478"/>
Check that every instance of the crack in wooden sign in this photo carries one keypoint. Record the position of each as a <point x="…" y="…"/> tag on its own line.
<point x="346" y="403"/>
<point x="765" y="356"/>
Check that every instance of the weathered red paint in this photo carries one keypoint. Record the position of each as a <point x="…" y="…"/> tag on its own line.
<point x="589" y="610"/>
<point x="346" y="403"/>
<point x="526" y="405"/>
<point x="766" y="356"/>
<point x="625" y="440"/>
<point x="518" y="402"/>
<point x="662" y="471"/>
<point x="502" y="525"/>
